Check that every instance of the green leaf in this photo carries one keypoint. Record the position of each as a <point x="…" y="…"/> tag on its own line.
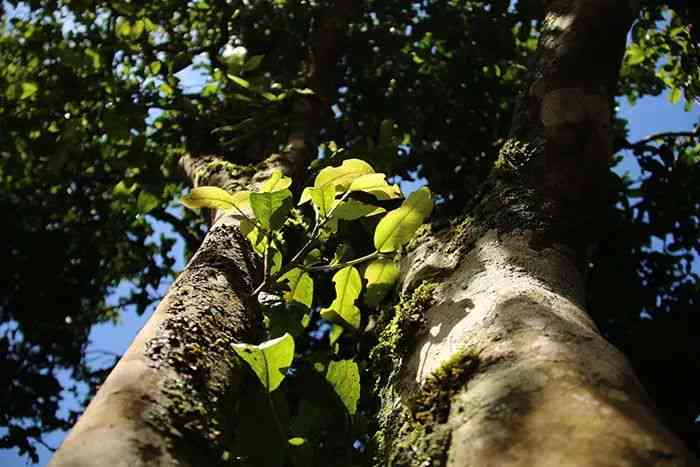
<point x="256" y="238"/>
<point x="166" y="89"/>
<point x="154" y="67"/>
<point x="29" y="88"/>
<point x="253" y="62"/>
<point x="381" y="274"/>
<point x="216" y="198"/>
<point x="336" y="332"/>
<point x="350" y="210"/>
<point x="347" y="288"/>
<point x="376" y="185"/>
<point x="146" y="202"/>
<point x="635" y="55"/>
<point x="268" y="360"/>
<point x="122" y="27"/>
<point x="343" y="175"/>
<point x="239" y="81"/>
<point x="121" y="189"/>
<point x="399" y="225"/>
<point x="271" y="208"/>
<point x="296" y="441"/>
<point x="137" y="29"/>
<point x="275" y="261"/>
<point x="323" y="198"/>
<point x="301" y="287"/>
<point x="344" y="376"/>
<point x="675" y="95"/>
<point x="276" y="182"/>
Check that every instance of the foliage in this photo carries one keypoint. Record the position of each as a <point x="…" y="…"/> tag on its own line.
<point x="97" y="104"/>
<point x="291" y="282"/>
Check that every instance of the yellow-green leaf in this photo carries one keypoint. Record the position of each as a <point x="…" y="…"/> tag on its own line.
<point x="347" y="289"/>
<point x="323" y="198"/>
<point x="239" y="81"/>
<point x="271" y="208"/>
<point x="635" y="55"/>
<point x="399" y="225"/>
<point x="137" y="29"/>
<point x="381" y="274"/>
<point x="216" y="198"/>
<point x="376" y="185"/>
<point x="254" y="236"/>
<point x="675" y="95"/>
<point x="350" y="210"/>
<point x="343" y="175"/>
<point x="269" y="360"/>
<point x="29" y="88"/>
<point x="344" y="376"/>
<point x="122" y="27"/>
<point x="301" y="287"/>
<point x="296" y="441"/>
<point x="276" y="182"/>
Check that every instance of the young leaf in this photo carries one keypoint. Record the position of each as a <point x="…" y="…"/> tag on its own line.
<point x="239" y="81"/>
<point x="217" y="198"/>
<point x="380" y="275"/>
<point x="323" y="198"/>
<point x="271" y="208"/>
<point x="301" y="287"/>
<point x="344" y="376"/>
<point x="254" y="236"/>
<point x="344" y="175"/>
<point x="350" y="210"/>
<point x="268" y="360"/>
<point x="376" y="185"/>
<point x="276" y="182"/>
<point x="399" y="225"/>
<point x="347" y="288"/>
<point x="296" y="441"/>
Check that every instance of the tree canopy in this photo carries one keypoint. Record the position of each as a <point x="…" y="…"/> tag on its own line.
<point x="96" y="112"/>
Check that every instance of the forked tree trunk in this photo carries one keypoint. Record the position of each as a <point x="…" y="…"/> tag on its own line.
<point x="507" y="368"/>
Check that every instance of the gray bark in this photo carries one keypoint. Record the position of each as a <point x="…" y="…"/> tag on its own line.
<point x="507" y="368"/>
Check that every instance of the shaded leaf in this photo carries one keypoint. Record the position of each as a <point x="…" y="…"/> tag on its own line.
<point x="347" y="289"/>
<point x="381" y="274"/>
<point x="301" y="287"/>
<point x="376" y="185"/>
<point x="271" y="208"/>
<point x="268" y="360"/>
<point x="344" y="376"/>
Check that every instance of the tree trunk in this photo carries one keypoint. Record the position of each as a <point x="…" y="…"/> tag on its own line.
<point x="491" y="359"/>
<point x="172" y="398"/>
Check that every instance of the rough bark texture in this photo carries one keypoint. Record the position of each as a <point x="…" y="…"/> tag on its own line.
<point x="171" y="399"/>
<point x="493" y="361"/>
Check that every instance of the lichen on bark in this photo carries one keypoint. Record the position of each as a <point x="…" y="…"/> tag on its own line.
<point x="413" y="426"/>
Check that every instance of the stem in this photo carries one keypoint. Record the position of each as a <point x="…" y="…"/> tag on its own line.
<point x="266" y="267"/>
<point x="333" y="267"/>
<point x="277" y="420"/>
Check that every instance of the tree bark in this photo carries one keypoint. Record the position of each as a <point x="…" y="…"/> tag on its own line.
<point x="172" y="398"/>
<point x="491" y="358"/>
